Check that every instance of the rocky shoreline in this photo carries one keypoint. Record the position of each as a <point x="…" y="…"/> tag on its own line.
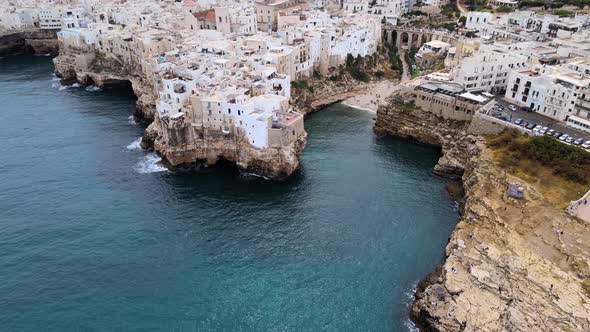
<point x="186" y="146"/>
<point x="93" y="68"/>
<point x="509" y="264"/>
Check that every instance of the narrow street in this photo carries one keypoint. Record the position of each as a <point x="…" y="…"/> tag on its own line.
<point x="406" y="67"/>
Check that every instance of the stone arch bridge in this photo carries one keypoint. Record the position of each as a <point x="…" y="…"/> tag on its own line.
<point x="404" y="38"/>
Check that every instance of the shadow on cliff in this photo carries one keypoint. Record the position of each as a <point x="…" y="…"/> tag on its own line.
<point x="225" y="180"/>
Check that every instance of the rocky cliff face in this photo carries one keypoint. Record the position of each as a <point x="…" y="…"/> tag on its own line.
<point x="33" y="41"/>
<point x="94" y="68"/>
<point x="427" y="128"/>
<point x="511" y="265"/>
<point x="187" y="145"/>
<point x="191" y="145"/>
<point x="323" y="92"/>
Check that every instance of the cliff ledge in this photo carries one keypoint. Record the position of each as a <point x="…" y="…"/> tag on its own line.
<point x="510" y="264"/>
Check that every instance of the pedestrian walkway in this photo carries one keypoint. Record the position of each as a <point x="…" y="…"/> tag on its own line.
<point x="406" y="67"/>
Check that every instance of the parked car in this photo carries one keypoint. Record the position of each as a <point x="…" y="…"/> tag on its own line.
<point x="512" y="108"/>
<point x="569" y="139"/>
<point x="557" y="134"/>
<point x="550" y="132"/>
<point x="537" y="128"/>
<point x="526" y="109"/>
<point x="530" y="126"/>
<point x="586" y="145"/>
<point x="524" y="124"/>
<point x="500" y="107"/>
<point x="579" y="141"/>
<point x="517" y="121"/>
<point x="563" y="137"/>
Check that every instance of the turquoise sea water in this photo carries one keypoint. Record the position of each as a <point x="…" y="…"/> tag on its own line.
<point x="95" y="237"/>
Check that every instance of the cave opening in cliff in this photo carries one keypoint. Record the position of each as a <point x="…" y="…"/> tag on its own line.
<point x="122" y="88"/>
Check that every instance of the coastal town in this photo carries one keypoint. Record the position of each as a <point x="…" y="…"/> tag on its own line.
<point x="488" y="82"/>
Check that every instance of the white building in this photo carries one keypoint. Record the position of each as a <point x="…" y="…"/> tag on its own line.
<point x="355" y="6"/>
<point x="555" y="91"/>
<point x="488" y="69"/>
<point x="50" y="17"/>
<point x="388" y="11"/>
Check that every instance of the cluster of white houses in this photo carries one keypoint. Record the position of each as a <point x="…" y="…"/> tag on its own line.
<point x="237" y="58"/>
<point x="222" y="65"/>
<point x="539" y="62"/>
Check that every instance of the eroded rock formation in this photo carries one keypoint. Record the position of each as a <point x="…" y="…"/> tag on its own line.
<point x="323" y="92"/>
<point x="102" y="70"/>
<point x="189" y="145"/>
<point x="179" y="145"/>
<point x="33" y="41"/>
<point x="510" y="265"/>
<point x="428" y="128"/>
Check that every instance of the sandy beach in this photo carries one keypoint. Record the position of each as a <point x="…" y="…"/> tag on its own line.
<point x="374" y="96"/>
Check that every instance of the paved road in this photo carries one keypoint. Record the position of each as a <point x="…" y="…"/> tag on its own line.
<point x="537" y="118"/>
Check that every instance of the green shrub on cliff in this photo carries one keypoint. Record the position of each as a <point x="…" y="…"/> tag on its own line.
<point x="451" y="9"/>
<point x="563" y="13"/>
<point x="407" y="106"/>
<point x="356" y="67"/>
<point x="301" y="85"/>
<point x="394" y="60"/>
<point x="566" y="161"/>
<point x="503" y="10"/>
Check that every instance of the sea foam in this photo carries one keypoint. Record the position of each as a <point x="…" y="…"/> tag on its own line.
<point x="150" y="164"/>
<point x="65" y="87"/>
<point x="92" y="88"/>
<point x="135" y="145"/>
<point x="131" y="120"/>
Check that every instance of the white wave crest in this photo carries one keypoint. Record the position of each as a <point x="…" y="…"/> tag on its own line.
<point x="410" y="326"/>
<point x="253" y="175"/>
<point x="131" y="120"/>
<point x="92" y="88"/>
<point x="135" y="145"/>
<point x="150" y="164"/>
<point x="65" y="87"/>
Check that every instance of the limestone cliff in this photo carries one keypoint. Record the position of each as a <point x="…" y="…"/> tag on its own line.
<point x="103" y="70"/>
<point x="188" y="145"/>
<point x="32" y="41"/>
<point x="511" y="265"/>
<point x="427" y="128"/>
<point x="323" y="92"/>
